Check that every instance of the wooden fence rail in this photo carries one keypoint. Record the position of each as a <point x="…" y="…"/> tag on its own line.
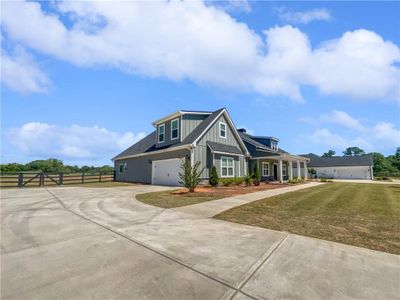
<point x="23" y="179"/>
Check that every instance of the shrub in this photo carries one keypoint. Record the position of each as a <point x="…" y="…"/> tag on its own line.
<point x="296" y="180"/>
<point x="248" y="180"/>
<point x="323" y="179"/>
<point x="227" y="181"/>
<point x="214" y="177"/>
<point x="190" y="177"/>
<point x="383" y="178"/>
<point x="256" y="175"/>
<point x="239" y="180"/>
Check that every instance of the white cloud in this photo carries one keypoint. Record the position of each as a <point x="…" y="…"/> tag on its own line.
<point x="20" y="73"/>
<point x="380" y="137"/>
<point x="202" y="43"/>
<point x="332" y="140"/>
<point x="41" y="140"/>
<point x="344" y="119"/>
<point x="304" y="17"/>
<point x="231" y="5"/>
<point x="387" y="133"/>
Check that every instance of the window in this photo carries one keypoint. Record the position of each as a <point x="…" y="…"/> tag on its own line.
<point x="222" y="130"/>
<point x="161" y="133"/>
<point x="274" y="146"/>
<point x="123" y="167"/>
<point x="227" y="167"/>
<point x="265" y="169"/>
<point x="283" y="170"/>
<point x="174" y="129"/>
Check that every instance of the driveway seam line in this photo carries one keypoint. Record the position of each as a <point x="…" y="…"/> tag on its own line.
<point x="267" y="254"/>
<point x="145" y="246"/>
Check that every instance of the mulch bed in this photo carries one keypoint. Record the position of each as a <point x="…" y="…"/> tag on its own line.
<point x="229" y="190"/>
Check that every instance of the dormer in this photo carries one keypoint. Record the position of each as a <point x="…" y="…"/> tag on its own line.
<point x="268" y="141"/>
<point x="176" y="126"/>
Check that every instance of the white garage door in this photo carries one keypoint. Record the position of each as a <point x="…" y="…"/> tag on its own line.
<point x="166" y="172"/>
<point x="353" y="173"/>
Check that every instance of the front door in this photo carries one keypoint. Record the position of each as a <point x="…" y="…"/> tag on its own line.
<point x="275" y="171"/>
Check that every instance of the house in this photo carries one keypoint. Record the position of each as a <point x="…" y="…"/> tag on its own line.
<point x="342" y="167"/>
<point x="210" y="138"/>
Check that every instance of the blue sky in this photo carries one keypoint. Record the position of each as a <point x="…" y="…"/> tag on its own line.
<point x="81" y="81"/>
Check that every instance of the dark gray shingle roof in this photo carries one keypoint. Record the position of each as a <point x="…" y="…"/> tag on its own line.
<point x="148" y="143"/>
<point x="247" y="138"/>
<point x="218" y="147"/>
<point x="340" y="161"/>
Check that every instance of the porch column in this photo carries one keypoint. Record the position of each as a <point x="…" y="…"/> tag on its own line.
<point x="280" y="175"/>
<point x="298" y="170"/>
<point x="305" y="170"/>
<point x="290" y="170"/>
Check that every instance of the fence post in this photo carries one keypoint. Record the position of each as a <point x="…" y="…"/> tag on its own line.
<point x="83" y="177"/>
<point x="41" y="179"/>
<point x="61" y="178"/>
<point x="99" y="176"/>
<point x="113" y="178"/>
<point x="20" y="179"/>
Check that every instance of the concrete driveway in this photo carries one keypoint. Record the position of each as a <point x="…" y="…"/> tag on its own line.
<point x="102" y="243"/>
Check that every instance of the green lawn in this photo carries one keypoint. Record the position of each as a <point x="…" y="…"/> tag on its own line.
<point x="365" y="215"/>
<point x="166" y="199"/>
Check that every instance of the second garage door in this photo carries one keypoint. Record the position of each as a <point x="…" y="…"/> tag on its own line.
<point x="166" y="172"/>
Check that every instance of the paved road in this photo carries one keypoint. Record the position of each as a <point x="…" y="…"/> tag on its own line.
<point x="394" y="181"/>
<point x="85" y="243"/>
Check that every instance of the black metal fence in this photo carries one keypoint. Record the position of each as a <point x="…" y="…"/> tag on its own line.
<point x="29" y="179"/>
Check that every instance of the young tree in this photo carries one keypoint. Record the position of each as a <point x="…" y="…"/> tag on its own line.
<point x="190" y="178"/>
<point x="256" y="175"/>
<point x="329" y="153"/>
<point x="353" y="151"/>
<point x="214" y="177"/>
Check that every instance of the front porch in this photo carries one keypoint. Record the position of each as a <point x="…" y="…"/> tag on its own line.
<point x="281" y="167"/>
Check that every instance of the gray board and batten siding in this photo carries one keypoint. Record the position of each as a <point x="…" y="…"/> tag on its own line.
<point x="203" y="153"/>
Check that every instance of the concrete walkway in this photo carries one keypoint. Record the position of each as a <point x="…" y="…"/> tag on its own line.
<point x="211" y="208"/>
<point x="85" y="243"/>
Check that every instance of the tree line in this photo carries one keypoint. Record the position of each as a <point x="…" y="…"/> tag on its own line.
<point x="383" y="166"/>
<point x="51" y="165"/>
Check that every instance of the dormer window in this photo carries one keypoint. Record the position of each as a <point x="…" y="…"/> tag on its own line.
<point x="174" y="129"/>
<point x="274" y="146"/>
<point x="222" y="130"/>
<point x="161" y="133"/>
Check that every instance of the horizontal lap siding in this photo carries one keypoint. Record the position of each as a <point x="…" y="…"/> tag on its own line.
<point x="139" y="168"/>
<point x="203" y="154"/>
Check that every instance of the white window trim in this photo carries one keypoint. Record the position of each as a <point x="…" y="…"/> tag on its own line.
<point x="158" y="133"/>
<point x="265" y="169"/>
<point x="222" y="137"/>
<point x="284" y="170"/>
<point x="177" y="136"/>
<point x="233" y="167"/>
